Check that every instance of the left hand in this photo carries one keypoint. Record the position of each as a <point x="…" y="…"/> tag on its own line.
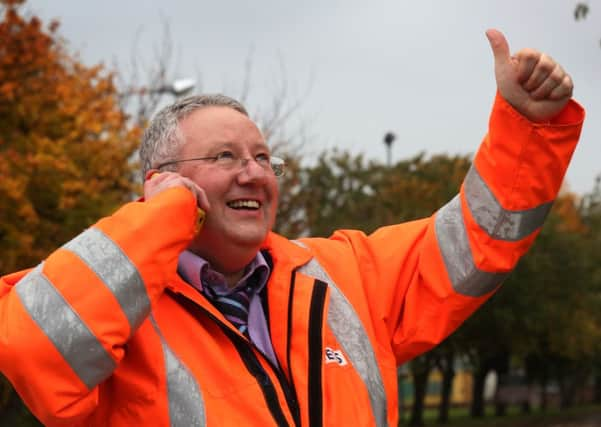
<point x="531" y="81"/>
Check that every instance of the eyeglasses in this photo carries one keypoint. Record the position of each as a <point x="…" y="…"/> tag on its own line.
<point x="228" y="160"/>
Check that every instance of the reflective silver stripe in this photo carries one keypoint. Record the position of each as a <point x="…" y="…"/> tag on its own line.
<point x="62" y="325"/>
<point x="350" y="333"/>
<point x="454" y="245"/>
<point x="186" y="405"/>
<point x="117" y="272"/>
<point x="500" y="223"/>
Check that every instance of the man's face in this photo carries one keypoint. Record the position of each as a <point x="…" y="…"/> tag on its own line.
<point x="243" y="198"/>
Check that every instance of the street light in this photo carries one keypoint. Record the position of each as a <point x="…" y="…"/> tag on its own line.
<point x="178" y="87"/>
<point x="388" y="140"/>
<point x="146" y="99"/>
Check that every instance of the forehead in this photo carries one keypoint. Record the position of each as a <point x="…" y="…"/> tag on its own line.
<point x="210" y="127"/>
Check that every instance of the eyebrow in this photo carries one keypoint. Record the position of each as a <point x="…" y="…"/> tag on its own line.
<point x="232" y="145"/>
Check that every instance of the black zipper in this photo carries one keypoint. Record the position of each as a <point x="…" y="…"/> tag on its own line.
<point x="256" y="370"/>
<point x="316" y="312"/>
<point x="254" y="367"/>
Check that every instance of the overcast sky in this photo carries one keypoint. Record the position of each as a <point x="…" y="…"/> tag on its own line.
<point x="422" y="69"/>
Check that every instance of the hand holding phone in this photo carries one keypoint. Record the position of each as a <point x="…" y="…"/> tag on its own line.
<point x="169" y="180"/>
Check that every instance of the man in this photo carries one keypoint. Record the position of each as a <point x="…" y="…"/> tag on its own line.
<point x="148" y="318"/>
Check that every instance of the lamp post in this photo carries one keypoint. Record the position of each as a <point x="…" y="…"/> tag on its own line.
<point x="388" y="140"/>
<point x="146" y="99"/>
<point x="177" y="88"/>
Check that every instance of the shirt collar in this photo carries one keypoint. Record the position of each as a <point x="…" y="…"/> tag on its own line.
<point x="198" y="272"/>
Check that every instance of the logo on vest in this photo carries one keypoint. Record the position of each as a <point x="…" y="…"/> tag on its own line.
<point x="335" y="356"/>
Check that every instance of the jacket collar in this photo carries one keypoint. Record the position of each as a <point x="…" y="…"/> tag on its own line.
<point x="285" y="253"/>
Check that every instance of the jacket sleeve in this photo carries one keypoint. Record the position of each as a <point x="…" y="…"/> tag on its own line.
<point x="64" y="323"/>
<point x="422" y="279"/>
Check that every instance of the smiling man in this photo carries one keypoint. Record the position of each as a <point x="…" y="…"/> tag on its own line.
<point x="148" y="318"/>
<point x="223" y="158"/>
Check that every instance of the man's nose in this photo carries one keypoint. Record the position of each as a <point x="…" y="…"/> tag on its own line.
<point x="251" y="171"/>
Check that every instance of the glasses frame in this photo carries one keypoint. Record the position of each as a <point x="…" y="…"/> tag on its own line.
<point x="279" y="169"/>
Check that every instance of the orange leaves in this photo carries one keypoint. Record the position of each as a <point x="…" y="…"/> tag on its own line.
<point x="65" y="156"/>
<point x="12" y="2"/>
<point x="567" y="208"/>
<point x="7" y="90"/>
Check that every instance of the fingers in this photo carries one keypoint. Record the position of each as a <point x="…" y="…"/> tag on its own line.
<point x="159" y="182"/>
<point x="541" y="76"/>
<point x="202" y="200"/>
<point x="526" y="61"/>
<point x="541" y="86"/>
<point x="535" y="67"/>
<point x="564" y="90"/>
<point x="499" y="46"/>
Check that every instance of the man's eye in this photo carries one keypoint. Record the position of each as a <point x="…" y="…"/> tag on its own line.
<point x="224" y="157"/>
<point x="262" y="158"/>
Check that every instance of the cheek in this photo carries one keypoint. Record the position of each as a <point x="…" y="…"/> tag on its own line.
<point x="213" y="188"/>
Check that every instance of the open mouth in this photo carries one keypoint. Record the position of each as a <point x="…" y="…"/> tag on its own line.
<point x="244" y="204"/>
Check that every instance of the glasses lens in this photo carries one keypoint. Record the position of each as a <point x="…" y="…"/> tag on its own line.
<point x="278" y="165"/>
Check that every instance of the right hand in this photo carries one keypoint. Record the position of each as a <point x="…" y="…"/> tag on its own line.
<point x="157" y="182"/>
<point x="531" y="81"/>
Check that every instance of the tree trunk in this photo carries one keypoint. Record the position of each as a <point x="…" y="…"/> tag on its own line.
<point x="448" y="374"/>
<point x="597" y="389"/>
<point x="544" y="398"/>
<point x="570" y="384"/>
<point x="477" y="407"/>
<point x="566" y="394"/>
<point x="420" y="374"/>
<point x="536" y="373"/>
<point x="402" y="375"/>
<point x="501" y="362"/>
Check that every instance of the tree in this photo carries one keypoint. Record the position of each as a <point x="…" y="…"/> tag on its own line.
<point x="64" y="142"/>
<point x="546" y="313"/>
<point x="420" y="368"/>
<point x="590" y="210"/>
<point x="564" y="324"/>
<point x="65" y="149"/>
<point x="346" y="191"/>
<point x="446" y="356"/>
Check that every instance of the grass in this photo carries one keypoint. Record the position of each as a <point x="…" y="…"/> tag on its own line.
<point x="514" y="418"/>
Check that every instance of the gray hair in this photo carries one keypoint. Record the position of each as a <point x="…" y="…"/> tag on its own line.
<point x="162" y="140"/>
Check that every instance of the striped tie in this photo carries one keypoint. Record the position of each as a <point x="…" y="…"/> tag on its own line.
<point x="235" y="307"/>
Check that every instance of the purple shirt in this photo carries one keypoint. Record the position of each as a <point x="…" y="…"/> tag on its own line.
<point x="198" y="273"/>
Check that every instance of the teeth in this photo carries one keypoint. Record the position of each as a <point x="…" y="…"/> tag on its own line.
<point x="237" y="204"/>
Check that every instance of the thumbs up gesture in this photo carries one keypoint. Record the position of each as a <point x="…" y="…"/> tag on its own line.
<point x="531" y="81"/>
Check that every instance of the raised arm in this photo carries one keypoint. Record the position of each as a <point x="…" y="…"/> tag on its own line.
<point x="64" y="325"/>
<point x="422" y="279"/>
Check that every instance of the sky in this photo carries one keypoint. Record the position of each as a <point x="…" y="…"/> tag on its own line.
<point x="358" y="69"/>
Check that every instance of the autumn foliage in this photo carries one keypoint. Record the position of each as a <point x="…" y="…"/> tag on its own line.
<point x="65" y="161"/>
<point x="65" y="146"/>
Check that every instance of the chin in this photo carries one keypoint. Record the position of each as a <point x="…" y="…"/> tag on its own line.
<point x="249" y="239"/>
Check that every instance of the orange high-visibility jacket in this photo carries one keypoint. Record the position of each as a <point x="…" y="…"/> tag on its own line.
<point x="105" y="333"/>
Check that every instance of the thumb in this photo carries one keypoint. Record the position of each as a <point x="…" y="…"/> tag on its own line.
<point x="500" y="47"/>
